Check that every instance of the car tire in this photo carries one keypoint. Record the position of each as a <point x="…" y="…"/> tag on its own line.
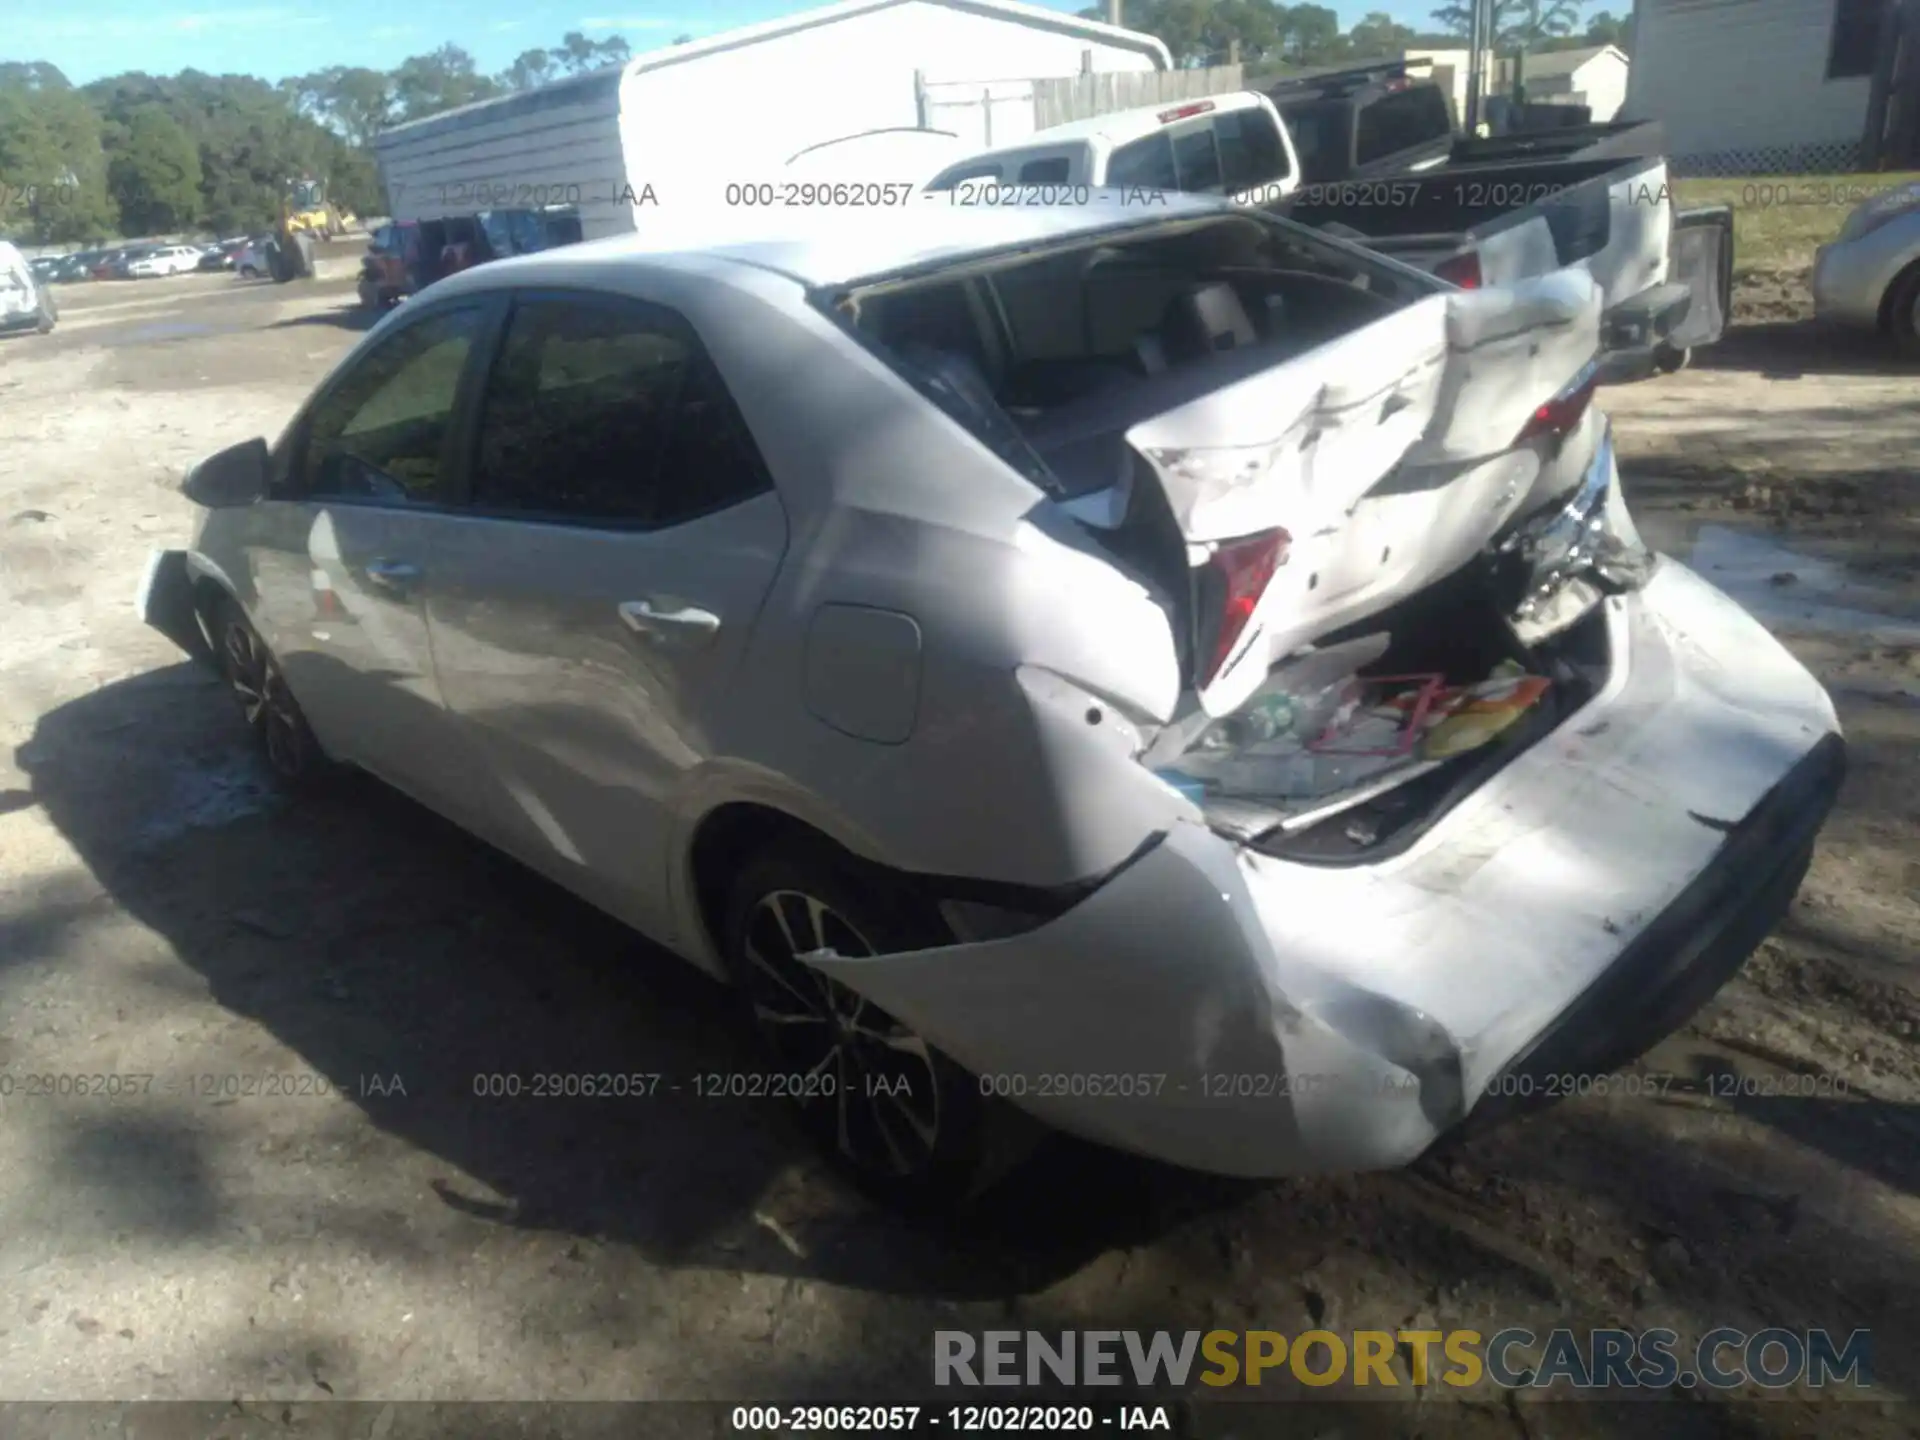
<point x="1671" y="359"/>
<point x="900" y="1119"/>
<point x="247" y="272"/>
<point x="273" y="717"/>
<point x="1903" y="313"/>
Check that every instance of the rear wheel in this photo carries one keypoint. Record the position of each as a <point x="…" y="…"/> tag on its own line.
<point x="904" y="1122"/>
<point x="272" y="716"/>
<point x="1671" y="358"/>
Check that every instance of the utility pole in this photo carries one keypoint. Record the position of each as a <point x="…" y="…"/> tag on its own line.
<point x="1478" y="38"/>
<point x="1113" y="12"/>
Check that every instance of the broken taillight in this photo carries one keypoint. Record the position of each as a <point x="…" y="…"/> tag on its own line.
<point x="1462" y="269"/>
<point x="1238" y="573"/>
<point x="1562" y="413"/>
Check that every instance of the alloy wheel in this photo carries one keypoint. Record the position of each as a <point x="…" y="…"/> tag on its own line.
<point x="853" y="1064"/>
<point x="264" y="700"/>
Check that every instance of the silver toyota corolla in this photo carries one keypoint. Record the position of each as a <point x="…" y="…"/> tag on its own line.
<point x="1153" y="668"/>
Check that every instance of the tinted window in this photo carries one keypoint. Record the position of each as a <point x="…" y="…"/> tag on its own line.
<point x="1046" y="172"/>
<point x="1402" y="119"/>
<point x="1197" y="159"/>
<point x="1856" y="38"/>
<point x="1250" y="150"/>
<point x="610" y="412"/>
<point x="380" y="433"/>
<point x="1146" y="163"/>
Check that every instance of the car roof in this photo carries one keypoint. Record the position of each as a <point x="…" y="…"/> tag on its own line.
<point x="828" y="248"/>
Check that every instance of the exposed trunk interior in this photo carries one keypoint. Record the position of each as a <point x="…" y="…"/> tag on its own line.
<point x="1459" y="629"/>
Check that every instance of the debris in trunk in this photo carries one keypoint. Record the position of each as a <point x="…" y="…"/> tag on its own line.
<point x="1286" y="746"/>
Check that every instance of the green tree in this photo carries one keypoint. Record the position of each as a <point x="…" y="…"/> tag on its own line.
<point x="155" y="174"/>
<point x="53" y="173"/>
<point x="1518" y="24"/>
<point x="351" y="100"/>
<point x="444" y="79"/>
<point x="530" y="68"/>
<point x="1606" y="28"/>
<point x="1378" y="36"/>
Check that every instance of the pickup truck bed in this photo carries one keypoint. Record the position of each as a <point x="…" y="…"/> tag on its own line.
<point x="1665" y="274"/>
<point x="1617" y="139"/>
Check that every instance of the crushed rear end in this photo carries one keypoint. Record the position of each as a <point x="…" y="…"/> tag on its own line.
<point x="1330" y="954"/>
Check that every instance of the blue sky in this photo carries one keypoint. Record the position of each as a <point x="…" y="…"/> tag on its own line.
<point x="293" y="37"/>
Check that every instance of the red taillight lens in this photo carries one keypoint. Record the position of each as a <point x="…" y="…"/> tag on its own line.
<point x="1463" y="270"/>
<point x="1242" y="570"/>
<point x="1560" y="414"/>
<point x="1183" y="112"/>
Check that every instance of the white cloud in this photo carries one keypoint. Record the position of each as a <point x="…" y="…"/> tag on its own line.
<point x="500" y="25"/>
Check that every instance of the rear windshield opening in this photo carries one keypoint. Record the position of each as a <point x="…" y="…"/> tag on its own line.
<point x="1050" y="358"/>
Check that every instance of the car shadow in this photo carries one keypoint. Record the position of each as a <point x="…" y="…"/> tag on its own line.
<point x="372" y="938"/>
<point x="1788" y="350"/>
<point x="356" y="317"/>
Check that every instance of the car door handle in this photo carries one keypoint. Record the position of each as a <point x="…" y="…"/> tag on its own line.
<point x="683" y="624"/>
<point x="397" y="575"/>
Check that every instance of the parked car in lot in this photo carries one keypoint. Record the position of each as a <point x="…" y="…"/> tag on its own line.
<point x="1015" y="643"/>
<point x="252" y="260"/>
<point x="26" y="298"/>
<point x="164" y="260"/>
<point x="70" y="269"/>
<point x="1869" y="276"/>
<point x="406" y="256"/>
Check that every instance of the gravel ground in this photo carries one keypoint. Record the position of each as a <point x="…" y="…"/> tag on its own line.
<point x="379" y="1233"/>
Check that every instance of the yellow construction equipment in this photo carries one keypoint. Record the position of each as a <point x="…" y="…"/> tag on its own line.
<point x="305" y="209"/>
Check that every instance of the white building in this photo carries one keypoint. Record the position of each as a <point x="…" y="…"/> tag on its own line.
<point x="1756" y="86"/>
<point x="1593" y="75"/>
<point x="674" y="127"/>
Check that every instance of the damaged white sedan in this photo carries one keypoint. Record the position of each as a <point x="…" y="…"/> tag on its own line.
<point x="1181" y="676"/>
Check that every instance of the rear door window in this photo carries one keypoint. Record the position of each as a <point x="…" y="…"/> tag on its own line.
<point x="1196" y="159"/>
<point x="1401" y="120"/>
<point x="1251" y="151"/>
<point x="610" y="412"/>
<point x="1146" y="163"/>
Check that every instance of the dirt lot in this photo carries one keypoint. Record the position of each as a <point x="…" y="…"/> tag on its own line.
<point x="395" y="1237"/>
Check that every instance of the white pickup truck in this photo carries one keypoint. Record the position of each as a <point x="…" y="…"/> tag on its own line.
<point x="1665" y="275"/>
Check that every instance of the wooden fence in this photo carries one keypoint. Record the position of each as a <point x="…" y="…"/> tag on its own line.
<point x="990" y="113"/>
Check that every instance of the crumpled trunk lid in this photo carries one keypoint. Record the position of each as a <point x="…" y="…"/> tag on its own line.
<point x="1423" y="395"/>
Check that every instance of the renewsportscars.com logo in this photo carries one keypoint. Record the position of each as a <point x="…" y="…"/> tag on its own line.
<point x="1721" y="1359"/>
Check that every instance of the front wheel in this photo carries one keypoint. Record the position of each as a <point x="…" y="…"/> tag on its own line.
<point x="900" y="1119"/>
<point x="279" y="729"/>
<point x="1670" y="359"/>
<point x="1903" y="313"/>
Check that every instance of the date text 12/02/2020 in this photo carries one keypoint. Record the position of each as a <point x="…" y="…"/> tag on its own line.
<point x="959" y="1419"/>
<point x="219" y="1087"/>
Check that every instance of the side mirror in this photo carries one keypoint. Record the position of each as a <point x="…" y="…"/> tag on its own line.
<point x="234" y="476"/>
